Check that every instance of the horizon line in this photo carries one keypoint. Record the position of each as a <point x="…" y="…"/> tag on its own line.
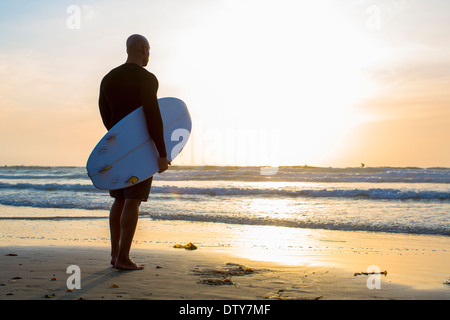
<point x="248" y="166"/>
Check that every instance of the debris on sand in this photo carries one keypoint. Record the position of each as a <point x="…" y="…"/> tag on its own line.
<point x="217" y="282"/>
<point x="281" y="295"/>
<point x="370" y="273"/>
<point x="222" y="275"/>
<point x="187" y="246"/>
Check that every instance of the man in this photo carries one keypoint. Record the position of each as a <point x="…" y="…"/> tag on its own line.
<point x="123" y="90"/>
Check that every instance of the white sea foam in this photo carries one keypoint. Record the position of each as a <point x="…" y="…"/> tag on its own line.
<point x="410" y="200"/>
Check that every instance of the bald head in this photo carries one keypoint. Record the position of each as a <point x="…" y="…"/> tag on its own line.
<point x="138" y="49"/>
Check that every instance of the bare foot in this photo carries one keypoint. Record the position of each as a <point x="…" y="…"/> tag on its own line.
<point x="127" y="265"/>
<point x="113" y="261"/>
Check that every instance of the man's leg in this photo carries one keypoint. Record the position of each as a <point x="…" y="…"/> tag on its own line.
<point x="128" y="223"/>
<point x="114" y="227"/>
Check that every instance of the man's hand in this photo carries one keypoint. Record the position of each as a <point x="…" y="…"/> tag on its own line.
<point x="163" y="164"/>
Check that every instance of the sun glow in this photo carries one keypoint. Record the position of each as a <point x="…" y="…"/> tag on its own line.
<point x="267" y="83"/>
<point x="276" y="65"/>
<point x="281" y="245"/>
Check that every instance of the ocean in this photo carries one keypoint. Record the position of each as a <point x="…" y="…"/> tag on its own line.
<point x="375" y="199"/>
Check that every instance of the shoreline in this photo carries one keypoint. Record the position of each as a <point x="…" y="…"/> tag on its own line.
<point x="285" y="263"/>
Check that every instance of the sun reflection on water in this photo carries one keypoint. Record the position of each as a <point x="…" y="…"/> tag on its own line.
<point x="288" y="246"/>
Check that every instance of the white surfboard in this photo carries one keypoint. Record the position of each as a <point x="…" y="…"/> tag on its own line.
<point x="126" y="155"/>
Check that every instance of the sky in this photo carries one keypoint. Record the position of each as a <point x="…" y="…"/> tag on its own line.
<point x="268" y="83"/>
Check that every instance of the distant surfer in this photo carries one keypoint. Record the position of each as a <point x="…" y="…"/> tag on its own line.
<point x="123" y="90"/>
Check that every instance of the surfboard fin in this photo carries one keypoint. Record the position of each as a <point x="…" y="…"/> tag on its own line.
<point x="109" y="139"/>
<point x="133" y="180"/>
<point x="105" y="169"/>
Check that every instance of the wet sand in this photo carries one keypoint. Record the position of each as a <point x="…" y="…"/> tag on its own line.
<point x="302" y="264"/>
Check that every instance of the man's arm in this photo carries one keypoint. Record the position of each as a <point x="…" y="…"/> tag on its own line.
<point x="105" y="112"/>
<point x="153" y="114"/>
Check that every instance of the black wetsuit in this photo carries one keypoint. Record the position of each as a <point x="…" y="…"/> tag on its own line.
<point x="126" y="88"/>
<point x="123" y="90"/>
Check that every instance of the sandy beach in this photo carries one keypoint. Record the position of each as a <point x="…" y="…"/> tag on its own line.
<point x="231" y="262"/>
